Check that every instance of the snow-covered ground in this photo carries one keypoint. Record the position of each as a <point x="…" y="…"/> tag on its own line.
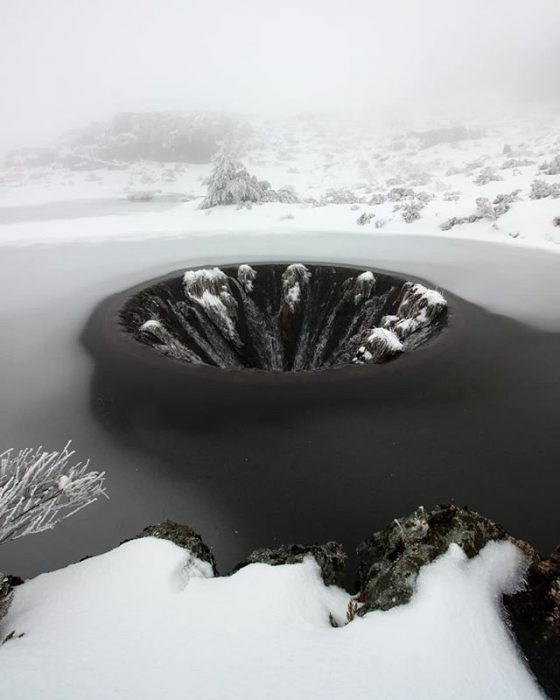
<point x="386" y="175"/>
<point x="148" y="620"/>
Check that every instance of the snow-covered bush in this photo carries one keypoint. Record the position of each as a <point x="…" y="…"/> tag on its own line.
<point x="516" y="163"/>
<point x="484" y="210"/>
<point x="487" y="175"/>
<point x="397" y="194"/>
<point x="364" y="219"/>
<point x="556" y="221"/>
<point x="411" y="210"/>
<point x="411" y="204"/>
<point x="503" y="202"/>
<point x="38" y="489"/>
<point x="286" y="195"/>
<point x="551" y="168"/>
<point x="230" y="183"/>
<point x="341" y="195"/>
<point x="541" y="189"/>
<point x="377" y="198"/>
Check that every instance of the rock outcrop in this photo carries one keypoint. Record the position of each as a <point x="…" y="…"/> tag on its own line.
<point x="330" y="557"/>
<point x="183" y="536"/>
<point x="389" y="562"/>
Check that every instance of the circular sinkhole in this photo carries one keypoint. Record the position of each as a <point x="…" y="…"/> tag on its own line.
<point x="283" y="318"/>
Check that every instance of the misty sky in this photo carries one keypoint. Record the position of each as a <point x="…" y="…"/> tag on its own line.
<point x="66" y="62"/>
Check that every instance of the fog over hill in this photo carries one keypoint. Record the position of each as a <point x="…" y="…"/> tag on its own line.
<point x="63" y="63"/>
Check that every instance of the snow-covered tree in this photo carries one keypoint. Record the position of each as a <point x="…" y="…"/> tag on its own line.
<point x="38" y="489"/>
<point x="231" y="183"/>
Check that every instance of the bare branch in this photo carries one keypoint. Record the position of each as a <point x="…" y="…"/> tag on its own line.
<point x="38" y="489"/>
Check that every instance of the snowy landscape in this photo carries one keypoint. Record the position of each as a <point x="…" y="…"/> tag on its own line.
<point x="280" y="339"/>
<point x="496" y="180"/>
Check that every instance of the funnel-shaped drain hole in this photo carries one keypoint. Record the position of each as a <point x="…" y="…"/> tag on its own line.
<point x="284" y="318"/>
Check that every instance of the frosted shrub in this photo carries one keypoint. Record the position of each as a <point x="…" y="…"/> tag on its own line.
<point x="411" y="210"/>
<point x="516" y="163"/>
<point x="541" y="189"/>
<point x="340" y="196"/>
<point x="503" y="202"/>
<point x="411" y="205"/>
<point x="364" y="219"/>
<point x="485" y="210"/>
<point x="487" y="175"/>
<point x="551" y="168"/>
<point x="39" y="489"/>
<point x="377" y="198"/>
<point x="397" y="194"/>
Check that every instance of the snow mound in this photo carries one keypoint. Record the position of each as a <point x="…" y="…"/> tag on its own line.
<point x="149" y="620"/>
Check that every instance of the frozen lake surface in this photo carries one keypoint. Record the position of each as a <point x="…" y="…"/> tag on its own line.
<point x="485" y="436"/>
<point x="79" y="208"/>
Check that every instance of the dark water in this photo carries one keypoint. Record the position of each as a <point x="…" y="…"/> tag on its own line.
<point x="471" y="419"/>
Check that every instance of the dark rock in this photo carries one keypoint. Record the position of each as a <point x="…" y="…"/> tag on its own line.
<point x="14" y="580"/>
<point x="183" y="536"/>
<point x="330" y="557"/>
<point x="389" y="560"/>
<point x="534" y="615"/>
<point x="6" y="595"/>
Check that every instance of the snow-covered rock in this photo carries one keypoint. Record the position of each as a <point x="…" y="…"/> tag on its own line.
<point x="147" y="620"/>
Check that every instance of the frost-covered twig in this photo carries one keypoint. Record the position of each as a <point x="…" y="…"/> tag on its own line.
<point x="38" y="489"/>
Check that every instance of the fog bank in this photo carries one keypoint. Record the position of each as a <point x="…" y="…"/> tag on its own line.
<point x="64" y="63"/>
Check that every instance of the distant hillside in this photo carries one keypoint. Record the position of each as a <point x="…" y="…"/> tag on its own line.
<point x="188" y="137"/>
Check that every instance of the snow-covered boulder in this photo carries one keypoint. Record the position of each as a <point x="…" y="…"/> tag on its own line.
<point x="330" y="558"/>
<point x="389" y="560"/>
<point x="149" y="619"/>
<point x="183" y="536"/>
